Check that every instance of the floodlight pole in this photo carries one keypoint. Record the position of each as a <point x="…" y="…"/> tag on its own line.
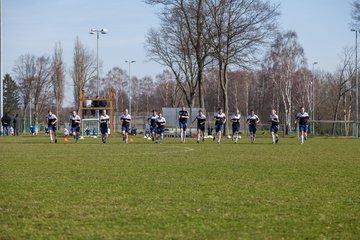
<point x="357" y="83"/>
<point x="1" y="70"/>
<point x="313" y="98"/>
<point x="97" y="32"/>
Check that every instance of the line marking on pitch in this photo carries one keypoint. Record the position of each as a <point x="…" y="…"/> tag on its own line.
<point x="183" y="149"/>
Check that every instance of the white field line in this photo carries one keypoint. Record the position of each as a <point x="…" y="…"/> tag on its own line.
<point x="177" y="150"/>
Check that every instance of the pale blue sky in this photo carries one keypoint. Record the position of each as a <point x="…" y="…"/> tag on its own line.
<point x="35" y="26"/>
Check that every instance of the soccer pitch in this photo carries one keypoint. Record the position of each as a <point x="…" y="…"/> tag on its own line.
<point x="143" y="190"/>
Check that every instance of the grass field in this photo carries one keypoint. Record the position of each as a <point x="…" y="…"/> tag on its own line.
<point x="179" y="191"/>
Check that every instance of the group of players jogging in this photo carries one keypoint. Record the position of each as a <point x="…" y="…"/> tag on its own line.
<point x="157" y="124"/>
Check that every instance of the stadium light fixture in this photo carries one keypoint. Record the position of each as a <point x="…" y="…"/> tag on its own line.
<point x="97" y="32"/>
<point x="357" y="83"/>
<point x="130" y="96"/>
<point x="313" y="97"/>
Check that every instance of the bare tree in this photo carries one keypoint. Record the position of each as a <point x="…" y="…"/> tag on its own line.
<point x="117" y="79"/>
<point x="184" y="20"/>
<point x="58" y="76"/>
<point x="286" y="57"/>
<point x="83" y="69"/>
<point x="33" y="76"/>
<point x="41" y="86"/>
<point x="236" y="29"/>
<point x="344" y="85"/>
<point x="167" y="91"/>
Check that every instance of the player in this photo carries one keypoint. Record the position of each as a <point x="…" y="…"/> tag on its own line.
<point x="104" y="126"/>
<point x="220" y="120"/>
<point x="52" y="120"/>
<point x="75" y="125"/>
<point x="274" y="128"/>
<point x="252" y="119"/>
<point x="125" y="127"/>
<point x="302" y="117"/>
<point x="235" y="119"/>
<point x="183" y="117"/>
<point x="160" y="128"/>
<point x="152" y="123"/>
<point x="201" y="119"/>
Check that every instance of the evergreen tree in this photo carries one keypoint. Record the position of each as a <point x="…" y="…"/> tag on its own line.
<point x="11" y="96"/>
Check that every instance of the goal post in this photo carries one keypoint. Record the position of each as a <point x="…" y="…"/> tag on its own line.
<point x="90" y="127"/>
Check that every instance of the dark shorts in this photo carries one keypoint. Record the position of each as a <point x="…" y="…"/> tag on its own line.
<point x="274" y="128"/>
<point x="52" y="127"/>
<point x="219" y="128"/>
<point x="104" y="130"/>
<point x="236" y="129"/>
<point x="182" y="125"/>
<point x="160" y="130"/>
<point x="201" y="127"/>
<point x="125" y="128"/>
<point x="303" y="128"/>
<point x="252" y="128"/>
<point x="75" y="129"/>
<point x="153" y="128"/>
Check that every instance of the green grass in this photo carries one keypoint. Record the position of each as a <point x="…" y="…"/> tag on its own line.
<point x="179" y="191"/>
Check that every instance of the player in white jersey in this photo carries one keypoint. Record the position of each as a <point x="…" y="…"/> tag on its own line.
<point x="220" y="120"/>
<point x="252" y="120"/>
<point x="302" y="117"/>
<point x="125" y="127"/>
<point x="104" y="125"/>
<point x="274" y="128"/>
<point x="160" y="128"/>
<point x="183" y="117"/>
<point x="52" y="120"/>
<point x="75" y="126"/>
<point x="235" y="119"/>
<point x="201" y="119"/>
<point x="152" y="123"/>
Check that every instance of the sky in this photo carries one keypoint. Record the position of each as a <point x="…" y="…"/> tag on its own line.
<point x="33" y="27"/>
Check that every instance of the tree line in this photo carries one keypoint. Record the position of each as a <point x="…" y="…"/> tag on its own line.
<point x="215" y="53"/>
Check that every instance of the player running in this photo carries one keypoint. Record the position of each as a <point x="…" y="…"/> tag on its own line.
<point x="152" y="123"/>
<point x="75" y="125"/>
<point x="302" y="117"/>
<point x="52" y="120"/>
<point x="235" y="119"/>
<point x="104" y="125"/>
<point x="201" y="119"/>
<point x="252" y="119"/>
<point x="125" y="127"/>
<point x="183" y="117"/>
<point x="220" y="120"/>
<point x="274" y="128"/>
<point x="160" y="124"/>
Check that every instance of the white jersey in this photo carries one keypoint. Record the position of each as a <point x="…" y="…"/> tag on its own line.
<point x="160" y="122"/>
<point x="303" y="118"/>
<point x="275" y="118"/>
<point x="220" y="118"/>
<point x="74" y="120"/>
<point x="51" y="118"/>
<point x="252" y="119"/>
<point x="126" y="119"/>
<point x="104" y="121"/>
<point x="235" y="118"/>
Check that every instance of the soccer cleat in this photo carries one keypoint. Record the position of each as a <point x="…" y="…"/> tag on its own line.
<point x="55" y="140"/>
<point x="277" y="140"/>
<point x="198" y="141"/>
